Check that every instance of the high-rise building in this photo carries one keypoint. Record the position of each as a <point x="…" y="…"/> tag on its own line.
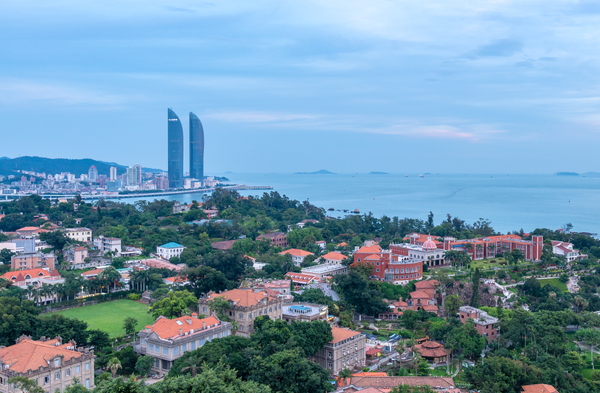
<point x="196" y="148"/>
<point x="113" y="173"/>
<point x="131" y="178"/>
<point x="175" y="151"/>
<point x="137" y="168"/>
<point x="93" y="174"/>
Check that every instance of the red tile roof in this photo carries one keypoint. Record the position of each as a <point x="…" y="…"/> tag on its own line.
<point x="31" y="355"/>
<point x="341" y="334"/>
<point x="36" y="272"/>
<point x="241" y="297"/>
<point x="296" y="252"/>
<point x="334" y="255"/>
<point x="420" y="295"/>
<point x="167" y="328"/>
<point x="374" y="249"/>
<point x="431" y="349"/>
<point x="539" y="388"/>
<point x="300" y="278"/>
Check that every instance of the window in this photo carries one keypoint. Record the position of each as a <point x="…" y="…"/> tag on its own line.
<point x="200" y="342"/>
<point x="46" y="379"/>
<point x="377" y="270"/>
<point x="218" y="335"/>
<point x="87" y="383"/>
<point x="241" y="316"/>
<point x="77" y="369"/>
<point x="165" y="351"/>
<point x="176" y="351"/>
<point x="68" y="372"/>
<point x="250" y="316"/>
<point x="205" y="309"/>
<point x="87" y="366"/>
<point x="241" y="328"/>
<point x="193" y="345"/>
<point x="151" y="347"/>
<point x="271" y="309"/>
<point x="56" y="362"/>
<point x="183" y="347"/>
<point x="57" y="376"/>
<point x="260" y="312"/>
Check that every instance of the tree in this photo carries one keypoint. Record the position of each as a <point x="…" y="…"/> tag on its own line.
<point x="129" y="325"/>
<point x="452" y="304"/>
<point x="410" y="319"/>
<point x="56" y="239"/>
<point x="114" y="365"/>
<point x="475" y="296"/>
<point x="99" y="339"/>
<point x="191" y="364"/>
<point x="592" y="338"/>
<point x="289" y="372"/>
<point x="25" y="384"/>
<point x="175" y="305"/>
<point x="204" y="279"/>
<point x="144" y="365"/>
<point x="16" y="318"/>
<point x="360" y="292"/>
<point x="52" y="325"/>
<point x="345" y="374"/>
<point x="219" y="306"/>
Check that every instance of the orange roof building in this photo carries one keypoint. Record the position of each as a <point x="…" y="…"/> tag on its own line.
<point x="334" y="257"/>
<point x="166" y="340"/>
<point x="53" y="364"/>
<point x="433" y="352"/>
<point x="246" y="306"/>
<point x="300" y="278"/>
<point x="539" y="388"/>
<point x="297" y="255"/>
<point x="346" y="350"/>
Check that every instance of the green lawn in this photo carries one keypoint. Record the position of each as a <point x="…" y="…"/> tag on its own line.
<point x="109" y="316"/>
<point x="485" y="263"/>
<point x="556" y="282"/>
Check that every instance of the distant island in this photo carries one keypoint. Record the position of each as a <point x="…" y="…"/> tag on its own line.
<point x="592" y="174"/>
<point x="58" y="165"/>
<point x="566" y="174"/>
<point x="378" y="173"/>
<point x="321" y="172"/>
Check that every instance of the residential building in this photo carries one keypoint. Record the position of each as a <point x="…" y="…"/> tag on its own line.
<point x="32" y="260"/>
<point x="281" y="287"/>
<point x="246" y="306"/>
<point x="303" y="223"/>
<point x="93" y="174"/>
<point x="346" y="350"/>
<point x="485" y="324"/>
<point x="50" y="363"/>
<point x="304" y="312"/>
<point x="300" y="278"/>
<point x="28" y="232"/>
<point x="131" y="177"/>
<point x="106" y="244"/>
<point x="277" y="239"/>
<point x="137" y="174"/>
<point x="322" y="244"/>
<point x="179" y="207"/>
<point x="113" y="173"/>
<point x="176" y="281"/>
<point x="196" y="148"/>
<point x="175" y="150"/>
<point x="333" y="258"/>
<point x="211" y="213"/>
<point x="325" y="270"/>
<point x="170" y="250"/>
<point x="428" y="253"/>
<point x="166" y="340"/>
<point x="433" y="352"/>
<point x="36" y="278"/>
<point x="539" y="388"/>
<point x="297" y="255"/>
<point x="79" y="234"/>
<point x="223" y="245"/>
<point x="76" y="255"/>
<point x="565" y="249"/>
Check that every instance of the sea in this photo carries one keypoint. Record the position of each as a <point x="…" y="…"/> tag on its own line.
<point x="510" y="202"/>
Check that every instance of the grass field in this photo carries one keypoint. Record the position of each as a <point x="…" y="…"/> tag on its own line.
<point x="485" y="263"/>
<point x="556" y="282"/>
<point x="109" y="316"/>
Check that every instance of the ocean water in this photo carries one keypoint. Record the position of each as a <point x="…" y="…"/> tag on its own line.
<point x="511" y="202"/>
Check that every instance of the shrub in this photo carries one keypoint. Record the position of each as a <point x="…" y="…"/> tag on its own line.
<point x="493" y="261"/>
<point x="134" y="296"/>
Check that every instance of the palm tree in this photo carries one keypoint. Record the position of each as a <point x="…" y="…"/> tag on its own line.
<point x="60" y="290"/>
<point x="113" y="365"/>
<point x="345" y="373"/>
<point x="112" y="276"/>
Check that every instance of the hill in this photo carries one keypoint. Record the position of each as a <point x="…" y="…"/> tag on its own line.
<point x="321" y="172"/>
<point x="378" y="173"/>
<point x="566" y="174"/>
<point x="57" y="165"/>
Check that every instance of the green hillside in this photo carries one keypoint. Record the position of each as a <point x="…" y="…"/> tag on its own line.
<point x="57" y="165"/>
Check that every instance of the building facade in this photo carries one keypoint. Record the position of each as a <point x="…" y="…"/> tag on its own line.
<point x="169" y="250"/>
<point x="32" y="260"/>
<point x="93" y="174"/>
<point x="325" y="270"/>
<point x="346" y="350"/>
<point x="50" y="363"/>
<point x="79" y="234"/>
<point x="304" y="312"/>
<point x="106" y="244"/>
<point x="565" y="249"/>
<point x="277" y="239"/>
<point x="196" y="148"/>
<point x="175" y="150"/>
<point x="297" y="255"/>
<point x="246" y="306"/>
<point x="485" y="324"/>
<point x="169" y="339"/>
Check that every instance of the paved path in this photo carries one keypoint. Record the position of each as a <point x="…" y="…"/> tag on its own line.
<point x="572" y="284"/>
<point x="384" y="361"/>
<point x="326" y="289"/>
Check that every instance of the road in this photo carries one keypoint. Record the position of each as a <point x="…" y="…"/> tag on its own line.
<point x="326" y="289"/>
<point x="384" y="361"/>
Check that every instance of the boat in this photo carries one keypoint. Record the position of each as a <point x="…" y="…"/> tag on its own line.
<point x="421" y="176"/>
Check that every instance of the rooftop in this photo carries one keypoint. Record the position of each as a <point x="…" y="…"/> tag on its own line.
<point x="304" y="309"/>
<point x="296" y="252"/>
<point x="28" y="354"/>
<point x="241" y="297"/>
<point x="321" y="269"/>
<point x="171" y="245"/>
<point x="341" y="334"/>
<point x="482" y="318"/>
<point x="539" y="388"/>
<point x="335" y="256"/>
<point x="172" y="328"/>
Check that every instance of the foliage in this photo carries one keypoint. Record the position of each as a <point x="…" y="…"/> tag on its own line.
<point x="364" y="295"/>
<point x="143" y="365"/>
<point x="174" y="305"/>
<point x="129" y="325"/>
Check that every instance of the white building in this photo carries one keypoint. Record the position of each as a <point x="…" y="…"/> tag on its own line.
<point x="106" y="244"/>
<point x="79" y="234"/>
<point x="565" y="249"/>
<point x="169" y="250"/>
<point x="326" y="269"/>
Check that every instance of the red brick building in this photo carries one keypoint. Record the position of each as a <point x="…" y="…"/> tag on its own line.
<point x="277" y="239"/>
<point x="485" y="324"/>
<point x="388" y="266"/>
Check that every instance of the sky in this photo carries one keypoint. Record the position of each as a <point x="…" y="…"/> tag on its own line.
<point x="401" y="86"/>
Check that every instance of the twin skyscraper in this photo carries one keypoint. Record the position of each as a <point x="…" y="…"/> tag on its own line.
<point x="176" y="150"/>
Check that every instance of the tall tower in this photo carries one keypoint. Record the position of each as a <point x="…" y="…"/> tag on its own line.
<point x="175" y="151"/>
<point x="196" y="148"/>
<point x="113" y="173"/>
<point x="93" y="174"/>
<point x="137" y="168"/>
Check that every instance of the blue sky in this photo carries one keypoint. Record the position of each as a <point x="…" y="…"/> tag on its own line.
<point x="350" y="86"/>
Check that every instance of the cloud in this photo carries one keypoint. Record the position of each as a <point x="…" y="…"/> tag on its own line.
<point x="258" y="117"/>
<point x="498" y="48"/>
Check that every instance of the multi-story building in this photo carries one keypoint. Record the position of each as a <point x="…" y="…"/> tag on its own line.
<point x="297" y="255"/>
<point x="485" y="324"/>
<point x="325" y="270"/>
<point x="137" y="173"/>
<point x="565" y="249"/>
<point x="32" y="260"/>
<point x="333" y="258"/>
<point x="179" y="207"/>
<point x="50" y="363"/>
<point x="196" y="148"/>
<point x="175" y="150"/>
<point x="246" y="306"/>
<point x="300" y="278"/>
<point x="304" y="312"/>
<point x="280" y="288"/>
<point x="346" y="350"/>
<point x="76" y="255"/>
<point x="486" y="247"/>
<point x="113" y="173"/>
<point x="169" y="339"/>
<point x="79" y="234"/>
<point x="93" y="174"/>
<point x="170" y="250"/>
<point x="277" y="239"/>
<point x="106" y="244"/>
